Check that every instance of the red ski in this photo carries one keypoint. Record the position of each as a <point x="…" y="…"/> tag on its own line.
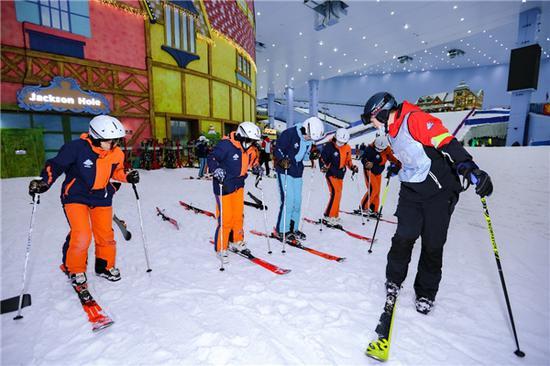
<point x="167" y="218"/>
<point x="350" y="233"/>
<point x="368" y="216"/>
<point x="297" y="244"/>
<point x="245" y="253"/>
<point x="197" y="210"/>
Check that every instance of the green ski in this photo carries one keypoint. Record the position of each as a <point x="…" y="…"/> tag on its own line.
<point x="379" y="349"/>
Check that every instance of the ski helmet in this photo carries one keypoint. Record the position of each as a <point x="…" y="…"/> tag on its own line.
<point x="380" y="142"/>
<point x="379" y="106"/>
<point x="247" y="133"/>
<point x="202" y="138"/>
<point x="314" y="128"/>
<point x="342" y="135"/>
<point x="105" y="127"/>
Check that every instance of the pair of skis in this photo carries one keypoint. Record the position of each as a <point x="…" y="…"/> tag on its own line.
<point x="369" y="216"/>
<point x="339" y="227"/>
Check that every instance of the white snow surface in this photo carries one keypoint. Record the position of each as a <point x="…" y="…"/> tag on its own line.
<point x="186" y="312"/>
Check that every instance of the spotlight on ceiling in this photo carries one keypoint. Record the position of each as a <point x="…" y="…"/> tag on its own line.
<point x="404" y="59"/>
<point x="455" y="52"/>
<point x="327" y="12"/>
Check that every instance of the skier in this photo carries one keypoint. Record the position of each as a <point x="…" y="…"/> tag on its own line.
<point x="374" y="159"/>
<point x="229" y="163"/>
<point x="201" y="150"/>
<point x="432" y="161"/>
<point x="335" y="158"/>
<point x="86" y="194"/>
<point x="293" y="147"/>
<point x="265" y="154"/>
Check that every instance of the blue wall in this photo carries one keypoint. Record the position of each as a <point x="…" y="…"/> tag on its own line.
<point x="410" y="86"/>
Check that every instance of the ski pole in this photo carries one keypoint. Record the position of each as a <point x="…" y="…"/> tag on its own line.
<point x="259" y="186"/>
<point x="221" y="252"/>
<point x="368" y="193"/>
<point x="359" y="193"/>
<point x="517" y="352"/>
<point x="284" y="211"/>
<point x="308" y="196"/>
<point x="35" y="200"/>
<point x="384" y="195"/>
<point x="142" y="231"/>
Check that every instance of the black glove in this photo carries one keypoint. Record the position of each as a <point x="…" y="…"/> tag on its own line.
<point x="471" y="172"/>
<point x="316" y="154"/>
<point x="354" y="169"/>
<point x="258" y="170"/>
<point x="132" y="177"/>
<point x="37" y="186"/>
<point x="284" y="163"/>
<point x="324" y="169"/>
<point x="219" y="175"/>
<point x="393" y="169"/>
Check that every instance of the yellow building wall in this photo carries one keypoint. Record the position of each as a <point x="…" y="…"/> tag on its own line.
<point x="236" y="104"/>
<point x="197" y="95"/>
<point x="157" y="40"/>
<point x="160" y="128"/>
<point x="200" y="65"/>
<point x="167" y="87"/>
<point x="224" y="59"/>
<point x="246" y="107"/>
<point x="220" y="99"/>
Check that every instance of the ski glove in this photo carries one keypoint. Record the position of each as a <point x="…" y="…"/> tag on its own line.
<point x="473" y="175"/>
<point x="314" y="155"/>
<point x="37" y="186"/>
<point x="258" y="170"/>
<point x="132" y="177"/>
<point x="393" y="169"/>
<point x="367" y="164"/>
<point x="284" y="163"/>
<point x="219" y="175"/>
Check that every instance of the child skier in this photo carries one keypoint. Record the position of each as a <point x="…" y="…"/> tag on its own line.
<point x="335" y="158"/>
<point x="292" y="148"/>
<point x="229" y="163"/>
<point x="374" y="160"/>
<point x="86" y="194"/>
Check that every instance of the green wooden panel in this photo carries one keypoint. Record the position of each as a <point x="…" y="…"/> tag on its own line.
<point x="22" y="152"/>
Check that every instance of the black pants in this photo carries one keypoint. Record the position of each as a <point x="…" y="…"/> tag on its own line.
<point x="430" y="220"/>
<point x="265" y="159"/>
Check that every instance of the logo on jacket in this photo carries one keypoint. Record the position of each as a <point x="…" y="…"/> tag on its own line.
<point x="88" y="163"/>
<point x="429" y="125"/>
<point x="377" y="156"/>
<point x="296" y="145"/>
<point x="236" y="157"/>
<point x="336" y="153"/>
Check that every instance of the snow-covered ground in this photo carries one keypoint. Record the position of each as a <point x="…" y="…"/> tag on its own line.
<point x="186" y="312"/>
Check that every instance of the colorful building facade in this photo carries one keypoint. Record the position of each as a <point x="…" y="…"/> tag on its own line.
<point x="461" y="98"/>
<point x="202" y="66"/>
<point x="91" y="48"/>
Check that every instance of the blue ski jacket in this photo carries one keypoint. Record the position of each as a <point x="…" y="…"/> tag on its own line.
<point x="291" y="144"/>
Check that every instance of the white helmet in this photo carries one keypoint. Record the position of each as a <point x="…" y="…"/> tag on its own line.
<point x="342" y="135"/>
<point x="314" y="128"/>
<point x="249" y="130"/>
<point x="202" y="138"/>
<point x="105" y="127"/>
<point x="380" y="142"/>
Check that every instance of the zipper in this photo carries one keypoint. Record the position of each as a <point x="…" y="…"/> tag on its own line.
<point x="435" y="179"/>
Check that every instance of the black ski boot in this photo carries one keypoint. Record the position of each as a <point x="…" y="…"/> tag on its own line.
<point x="297" y="233"/>
<point x="112" y="274"/>
<point x="383" y="327"/>
<point x="423" y="305"/>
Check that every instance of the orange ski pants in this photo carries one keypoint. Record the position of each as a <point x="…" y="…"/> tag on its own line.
<point x="372" y="201"/>
<point x="85" y="221"/>
<point x="335" y="191"/>
<point x="230" y="225"/>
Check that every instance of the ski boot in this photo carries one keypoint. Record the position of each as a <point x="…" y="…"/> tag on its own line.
<point x="239" y="246"/>
<point x="289" y="236"/>
<point x="423" y="305"/>
<point x="334" y="222"/>
<point x="297" y="233"/>
<point x="112" y="274"/>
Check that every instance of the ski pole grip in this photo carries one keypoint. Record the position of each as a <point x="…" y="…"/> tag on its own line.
<point x="135" y="191"/>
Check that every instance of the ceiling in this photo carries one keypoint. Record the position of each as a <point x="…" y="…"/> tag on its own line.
<point x="374" y="34"/>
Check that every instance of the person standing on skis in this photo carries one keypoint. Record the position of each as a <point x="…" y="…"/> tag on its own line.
<point x="335" y="158"/>
<point x="292" y="148"/>
<point x="432" y="161"/>
<point x="89" y="163"/>
<point x="229" y="163"/>
<point x="201" y="150"/>
<point x="374" y="159"/>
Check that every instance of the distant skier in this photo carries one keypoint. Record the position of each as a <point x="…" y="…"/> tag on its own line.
<point x="432" y="161"/>
<point x="374" y="159"/>
<point x="201" y="150"/>
<point x="293" y="147"/>
<point x="265" y="154"/>
<point x="86" y="194"/>
<point x="335" y="158"/>
<point x="229" y="163"/>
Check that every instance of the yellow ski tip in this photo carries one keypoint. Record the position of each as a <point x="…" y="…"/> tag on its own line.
<point x="379" y="349"/>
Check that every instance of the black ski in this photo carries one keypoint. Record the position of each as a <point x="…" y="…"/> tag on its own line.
<point x="338" y="227"/>
<point x="197" y="210"/>
<point x="123" y="229"/>
<point x="257" y="200"/>
<point x="254" y="204"/>
<point x="12" y="304"/>
<point x="375" y="216"/>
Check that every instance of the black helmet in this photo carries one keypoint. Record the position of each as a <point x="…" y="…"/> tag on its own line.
<point x="380" y="102"/>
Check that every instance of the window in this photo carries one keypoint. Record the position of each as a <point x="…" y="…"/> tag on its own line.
<point x="67" y="15"/>
<point x="243" y="72"/>
<point x="179" y="29"/>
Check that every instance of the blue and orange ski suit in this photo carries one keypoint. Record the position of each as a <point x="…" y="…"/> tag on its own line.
<point x="87" y="195"/>
<point x="229" y="155"/>
<point x="335" y="159"/>
<point x="373" y="177"/>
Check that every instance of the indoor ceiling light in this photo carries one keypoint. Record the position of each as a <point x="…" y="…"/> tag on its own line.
<point x="376" y="45"/>
<point x="310" y="73"/>
<point x="469" y="31"/>
<point x="273" y="45"/>
<point x="461" y="19"/>
<point x="406" y="26"/>
<point x="339" y="70"/>
<point x="299" y="70"/>
<point x="300" y="33"/>
<point x="345" y="54"/>
<point x="320" y="63"/>
<point x="364" y="37"/>
<point x="321" y="43"/>
<point x="335" y="49"/>
<point x="455" y="7"/>
<point x="350" y="29"/>
<point x="392" y="13"/>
